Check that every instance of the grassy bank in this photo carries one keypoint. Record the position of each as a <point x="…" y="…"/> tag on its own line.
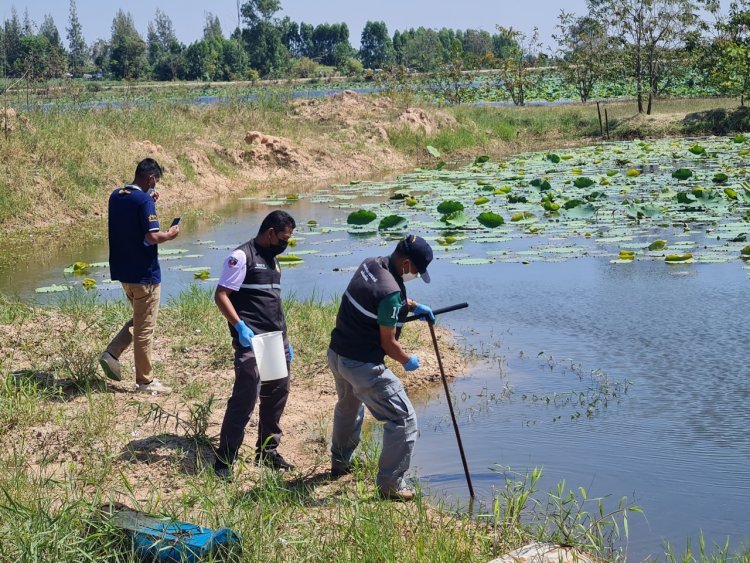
<point x="61" y="165"/>
<point x="72" y="442"/>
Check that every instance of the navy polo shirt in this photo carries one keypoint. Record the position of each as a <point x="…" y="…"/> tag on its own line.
<point x="132" y="214"/>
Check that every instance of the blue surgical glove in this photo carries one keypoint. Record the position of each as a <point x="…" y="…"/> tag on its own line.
<point x="291" y="353"/>
<point x="425" y="312"/>
<point x="245" y="334"/>
<point x="412" y="364"/>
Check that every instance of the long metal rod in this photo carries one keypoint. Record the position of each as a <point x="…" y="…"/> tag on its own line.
<point x="450" y="407"/>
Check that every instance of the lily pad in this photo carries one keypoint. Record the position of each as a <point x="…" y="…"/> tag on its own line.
<point x="433" y="151"/>
<point x="682" y="173"/>
<point x="490" y="220"/>
<point x="392" y="222"/>
<point x="583" y="182"/>
<point x="658" y="245"/>
<point x="450" y="206"/>
<point x="54" y="288"/>
<point x="361" y="217"/>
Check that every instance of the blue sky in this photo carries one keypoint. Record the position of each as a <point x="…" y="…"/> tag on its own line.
<point x="188" y="16"/>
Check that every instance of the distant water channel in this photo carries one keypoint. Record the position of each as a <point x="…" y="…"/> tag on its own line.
<point x="676" y="444"/>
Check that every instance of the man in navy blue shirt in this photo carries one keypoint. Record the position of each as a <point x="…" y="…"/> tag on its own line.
<point x="134" y="234"/>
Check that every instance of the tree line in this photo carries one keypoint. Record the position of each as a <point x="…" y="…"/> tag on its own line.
<point x="647" y="42"/>
<point x="264" y="45"/>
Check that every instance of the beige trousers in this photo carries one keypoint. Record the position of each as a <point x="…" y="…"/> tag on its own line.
<point x="144" y="299"/>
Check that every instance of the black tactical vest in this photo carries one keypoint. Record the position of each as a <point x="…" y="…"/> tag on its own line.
<point x="357" y="333"/>
<point x="258" y="301"/>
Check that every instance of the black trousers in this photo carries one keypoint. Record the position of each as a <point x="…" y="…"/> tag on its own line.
<point x="245" y="393"/>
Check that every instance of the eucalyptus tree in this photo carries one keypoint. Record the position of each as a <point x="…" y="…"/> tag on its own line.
<point x="12" y="34"/>
<point x="376" y="47"/>
<point x="77" y="50"/>
<point x="165" y="52"/>
<point x="648" y="30"/>
<point x="56" y="57"/>
<point x="127" y="48"/>
<point x="584" y="51"/>
<point x="263" y="37"/>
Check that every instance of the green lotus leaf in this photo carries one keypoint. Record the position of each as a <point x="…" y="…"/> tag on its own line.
<point x="392" y="222"/>
<point x="554" y="158"/>
<point x="517" y="199"/>
<point x="490" y="220"/>
<point x="473" y="261"/>
<point x="287" y="258"/>
<point x="88" y="283"/>
<point x="450" y="206"/>
<point x="410" y="201"/>
<point x="361" y="217"/>
<point x="585" y="211"/>
<point x="682" y="173"/>
<point x="583" y="182"/>
<point x="632" y="173"/>
<point x="400" y="195"/>
<point x="522" y="216"/>
<point x="730" y="193"/>
<point x="481" y="159"/>
<point x="456" y="219"/>
<point x="312" y="222"/>
<point x="658" y="245"/>
<point x="54" y="288"/>
<point x="745" y="251"/>
<point x="440" y="165"/>
<point x="571" y="203"/>
<point x="292" y="197"/>
<point x="541" y="184"/>
<point x="202" y="275"/>
<point x="678" y="257"/>
<point x="697" y="149"/>
<point x="481" y="200"/>
<point x="503" y="190"/>
<point x="719" y="178"/>
<point x="433" y="151"/>
<point x="739" y="138"/>
<point x="612" y="172"/>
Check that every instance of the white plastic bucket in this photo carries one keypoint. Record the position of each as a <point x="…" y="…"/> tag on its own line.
<point x="270" y="356"/>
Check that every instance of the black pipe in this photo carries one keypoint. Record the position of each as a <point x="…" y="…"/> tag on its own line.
<point x="450" y="402"/>
<point x="440" y="311"/>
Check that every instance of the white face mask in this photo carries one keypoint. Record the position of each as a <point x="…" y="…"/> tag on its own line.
<point x="409" y="277"/>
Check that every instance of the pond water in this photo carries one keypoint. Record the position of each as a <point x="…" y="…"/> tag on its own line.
<point x="624" y="376"/>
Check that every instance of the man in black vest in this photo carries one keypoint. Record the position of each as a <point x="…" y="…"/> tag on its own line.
<point x="249" y="296"/>
<point x="368" y="325"/>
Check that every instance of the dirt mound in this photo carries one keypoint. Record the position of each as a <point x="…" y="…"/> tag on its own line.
<point x="7" y="119"/>
<point x="273" y="150"/>
<point x="416" y="119"/>
<point x="348" y="108"/>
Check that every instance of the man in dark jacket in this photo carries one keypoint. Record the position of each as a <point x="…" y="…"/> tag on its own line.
<point x="249" y="296"/>
<point x="368" y="325"/>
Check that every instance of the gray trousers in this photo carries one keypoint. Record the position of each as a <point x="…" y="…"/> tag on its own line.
<point x="359" y="384"/>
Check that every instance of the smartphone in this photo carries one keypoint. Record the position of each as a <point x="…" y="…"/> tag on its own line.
<point x="175" y="222"/>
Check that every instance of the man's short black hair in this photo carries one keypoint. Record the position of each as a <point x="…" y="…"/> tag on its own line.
<point x="148" y="167"/>
<point x="278" y="221"/>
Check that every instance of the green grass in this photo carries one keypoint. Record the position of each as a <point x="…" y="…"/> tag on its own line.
<point x="51" y="492"/>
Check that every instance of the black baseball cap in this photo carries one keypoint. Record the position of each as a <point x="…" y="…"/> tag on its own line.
<point x="419" y="252"/>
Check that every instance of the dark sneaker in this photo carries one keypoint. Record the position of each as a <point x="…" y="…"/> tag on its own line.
<point x="110" y="366"/>
<point x="274" y="460"/>
<point x="402" y="495"/>
<point x="223" y="472"/>
<point x="341" y="470"/>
